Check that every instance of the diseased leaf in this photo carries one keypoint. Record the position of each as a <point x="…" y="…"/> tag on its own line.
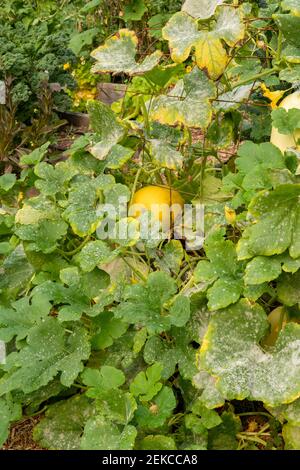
<point x="291" y="5"/>
<point x="172" y="257"/>
<point x="262" y="269"/>
<point x="231" y="352"/>
<point x="148" y="304"/>
<point x="291" y="436"/>
<point x="36" y="155"/>
<point x="49" y="350"/>
<point x="201" y="9"/>
<point x="289" y="25"/>
<point x="164" y="155"/>
<point x="81" y="212"/>
<point x="94" y="253"/>
<point x="63" y="425"/>
<point x="16" y="271"/>
<point x="104" y="122"/>
<point x="43" y="236"/>
<point x="182" y="33"/>
<point x="118" y="55"/>
<point x="188" y="103"/>
<point x="230" y="26"/>
<point x="211" y="55"/>
<point x="277" y="224"/>
<point x="158" y="442"/>
<point x="22" y="316"/>
<point x="100" y="434"/>
<point x="53" y="180"/>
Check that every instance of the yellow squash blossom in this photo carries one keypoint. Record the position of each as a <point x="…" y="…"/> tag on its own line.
<point x="67" y="66"/>
<point x="273" y="96"/>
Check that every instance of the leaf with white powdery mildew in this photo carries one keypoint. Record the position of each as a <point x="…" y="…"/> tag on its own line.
<point x="100" y="434"/>
<point x="231" y="352"/>
<point x="118" y="55"/>
<point x="277" y="224"/>
<point x="63" y="424"/>
<point x="188" y="103"/>
<point x="104" y="123"/>
<point x="201" y="9"/>
<point x="49" y="350"/>
<point x="182" y="33"/>
<point x="165" y="155"/>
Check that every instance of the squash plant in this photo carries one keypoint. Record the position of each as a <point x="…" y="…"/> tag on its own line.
<point x="139" y="343"/>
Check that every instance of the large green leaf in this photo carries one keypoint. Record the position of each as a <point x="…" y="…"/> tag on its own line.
<point x="154" y="415"/>
<point x="277" y="223"/>
<point x="53" y="180"/>
<point x="147" y="304"/>
<point x="49" y="350"/>
<point x="43" y="236"/>
<point x="188" y="103"/>
<point x="81" y="212"/>
<point x="221" y="274"/>
<point x="262" y="269"/>
<point x="118" y="55"/>
<point x="9" y="412"/>
<point x="94" y="253"/>
<point x="178" y="348"/>
<point x="231" y="352"/>
<point x="147" y="384"/>
<point x="22" y="316"/>
<point x="107" y="378"/>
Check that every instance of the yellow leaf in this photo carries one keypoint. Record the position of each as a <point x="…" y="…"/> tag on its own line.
<point x="211" y="56"/>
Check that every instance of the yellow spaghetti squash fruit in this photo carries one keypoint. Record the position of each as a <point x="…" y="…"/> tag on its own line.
<point x="158" y="201"/>
<point x="284" y="141"/>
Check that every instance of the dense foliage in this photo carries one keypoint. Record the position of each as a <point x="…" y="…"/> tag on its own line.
<point x="142" y="343"/>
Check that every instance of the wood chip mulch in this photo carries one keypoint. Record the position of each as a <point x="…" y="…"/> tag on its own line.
<point x="20" y="437"/>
